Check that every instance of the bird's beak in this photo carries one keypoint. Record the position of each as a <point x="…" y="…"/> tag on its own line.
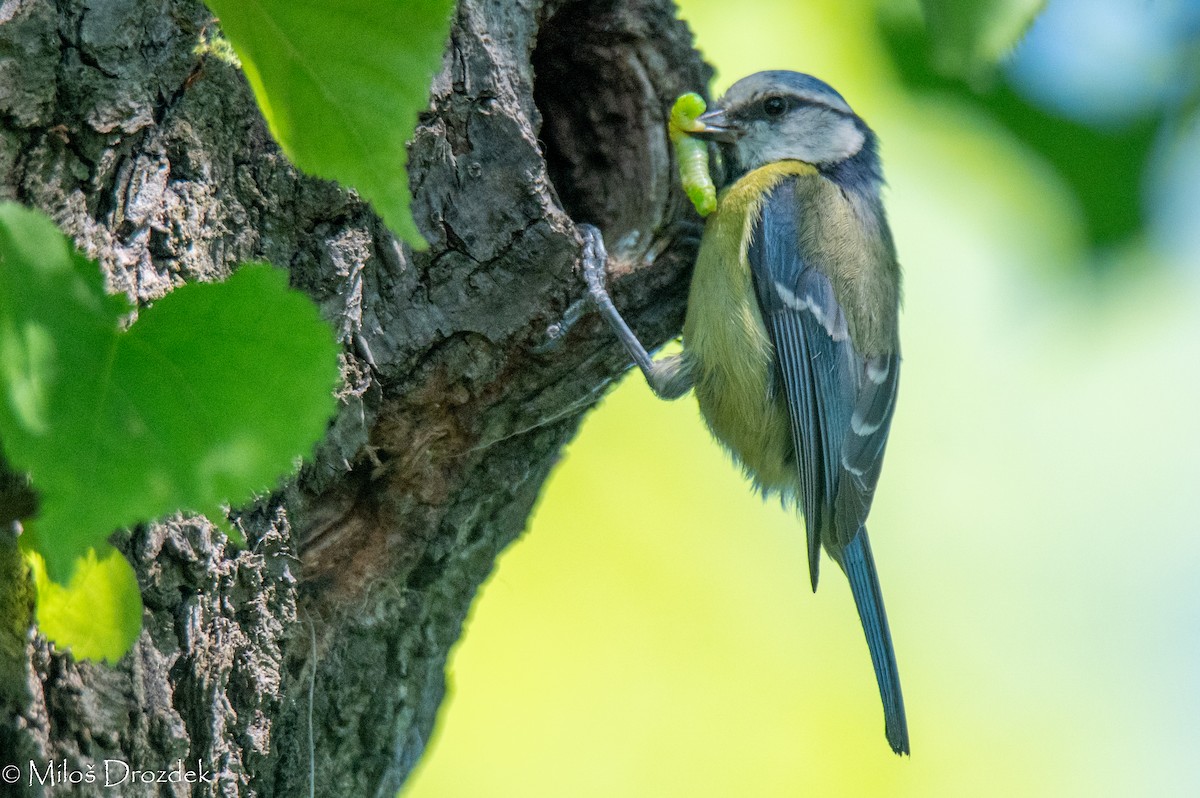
<point x="717" y="127"/>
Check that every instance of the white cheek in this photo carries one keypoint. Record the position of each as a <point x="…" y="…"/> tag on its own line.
<point x="829" y="138"/>
<point x="846" y="140"/>
<point x="817" y="138"/>
<point x="759" y="146"/>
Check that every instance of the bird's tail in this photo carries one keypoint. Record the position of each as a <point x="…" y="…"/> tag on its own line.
<point x="864" y="583"/>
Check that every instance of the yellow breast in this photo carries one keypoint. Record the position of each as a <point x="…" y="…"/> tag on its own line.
<point x="726" y="344"/>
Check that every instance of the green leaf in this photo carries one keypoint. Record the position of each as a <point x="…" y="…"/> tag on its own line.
<point x="341" y="84"/>
<point x="971" y="37"/>
<point x="209" y="397"/>
<point x="98" y="613"/>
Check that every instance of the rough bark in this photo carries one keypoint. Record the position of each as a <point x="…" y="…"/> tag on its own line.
<point x="462" y="379"/>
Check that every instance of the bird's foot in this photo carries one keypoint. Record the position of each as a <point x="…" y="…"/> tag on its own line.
<point x="594" y="265"/>
<point x="593" y="262"/>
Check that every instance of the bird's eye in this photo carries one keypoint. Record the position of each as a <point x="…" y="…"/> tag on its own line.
<point x="774" y="106"/>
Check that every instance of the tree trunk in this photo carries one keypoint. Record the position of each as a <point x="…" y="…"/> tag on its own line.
<point x="320" y="647"/>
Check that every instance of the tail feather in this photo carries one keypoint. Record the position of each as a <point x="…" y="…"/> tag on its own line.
<point x="859" y="565"/>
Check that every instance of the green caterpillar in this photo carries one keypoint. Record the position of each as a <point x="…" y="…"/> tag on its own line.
<point x="692" y="153"/>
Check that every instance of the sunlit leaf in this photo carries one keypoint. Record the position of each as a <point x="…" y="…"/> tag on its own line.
<point x="341" y="84"/>
<point x="97" y="614"/>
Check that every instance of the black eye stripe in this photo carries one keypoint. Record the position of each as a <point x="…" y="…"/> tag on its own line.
<point x="755" y="108"/>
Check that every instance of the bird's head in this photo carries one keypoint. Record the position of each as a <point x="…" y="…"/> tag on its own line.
<point x="779" y="115"/>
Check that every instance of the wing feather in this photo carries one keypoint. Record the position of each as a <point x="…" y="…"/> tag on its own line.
<point x="805" y="416"/>
<point x="839" y="403"/>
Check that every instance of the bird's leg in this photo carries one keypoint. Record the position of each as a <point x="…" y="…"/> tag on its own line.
<point x="668" y="377"/>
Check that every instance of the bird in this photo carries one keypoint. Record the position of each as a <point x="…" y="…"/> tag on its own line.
<point x="791" y="339"/>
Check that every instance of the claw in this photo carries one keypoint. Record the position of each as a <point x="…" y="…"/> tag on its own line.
<point x="593" y="263"/>
<point x="594" y="260"/>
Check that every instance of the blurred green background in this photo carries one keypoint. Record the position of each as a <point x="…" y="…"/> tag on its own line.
<point x="653" y="633"/>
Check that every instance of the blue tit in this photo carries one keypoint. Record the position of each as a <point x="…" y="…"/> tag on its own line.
<point x="791" y="341"/>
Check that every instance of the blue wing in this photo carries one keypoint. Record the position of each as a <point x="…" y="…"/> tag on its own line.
<point x="840" y="406"/>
